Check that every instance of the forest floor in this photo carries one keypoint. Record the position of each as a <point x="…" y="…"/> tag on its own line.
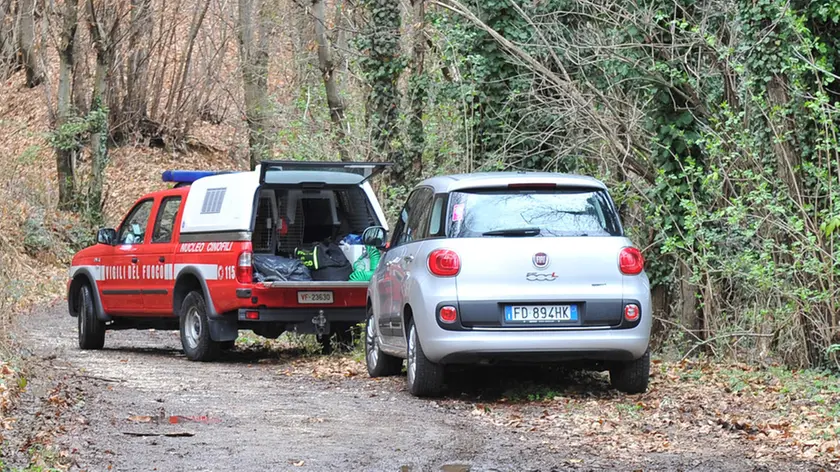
<point x="139" y="404"/>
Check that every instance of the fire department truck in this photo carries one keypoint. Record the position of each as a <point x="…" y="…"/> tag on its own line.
<point x="224" y="251"/>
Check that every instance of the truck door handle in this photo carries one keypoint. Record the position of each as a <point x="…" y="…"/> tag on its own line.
<point x="161" y="259"/>
<point x="134" y="260"/>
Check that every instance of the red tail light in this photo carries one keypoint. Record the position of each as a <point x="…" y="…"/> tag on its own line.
<point x="632" y="312"/>
<point x="252" y="315"/>
<point x="630" y="261"/>
<point x="448" y="314"/>
<point x="444" y="263"/>
<point x="244" y="268"/>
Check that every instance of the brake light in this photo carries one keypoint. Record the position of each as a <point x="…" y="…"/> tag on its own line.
<point x="448" y="314"/>
<point x="444" y="263"/>
<point x="632" y="312"/>
<point x="630" y="261"/>
<point x="244" y="267"/>
<point x="252" y="315"/>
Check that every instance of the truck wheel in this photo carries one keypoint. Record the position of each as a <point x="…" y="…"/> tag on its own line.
<point x="195" y="330"/>
<point x="378" y="363"/>
<point x="425" y="378"/>
<point x="91" y="330"/>
<point x="631" y="377"/>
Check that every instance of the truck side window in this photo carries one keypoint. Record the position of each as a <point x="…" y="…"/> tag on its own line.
<point x="133" y="230"/>
<point x="165" y="222"/>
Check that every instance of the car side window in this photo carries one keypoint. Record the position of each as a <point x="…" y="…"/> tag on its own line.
<point x="165" y="221"/>
<point x="420" y="217"/>
<point x="437" y="223"/>
<point x="133" y="229"/>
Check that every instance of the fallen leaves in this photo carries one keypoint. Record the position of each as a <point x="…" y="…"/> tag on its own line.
<point x="691" y="407"/>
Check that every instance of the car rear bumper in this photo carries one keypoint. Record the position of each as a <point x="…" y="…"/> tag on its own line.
<point x="453" y="347"/>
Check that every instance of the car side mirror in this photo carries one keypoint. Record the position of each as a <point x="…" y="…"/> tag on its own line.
<point x="375" y="236"/>
<point x="106" y="236"/>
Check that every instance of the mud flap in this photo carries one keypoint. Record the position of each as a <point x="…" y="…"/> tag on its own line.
<point x="223" y="328"/>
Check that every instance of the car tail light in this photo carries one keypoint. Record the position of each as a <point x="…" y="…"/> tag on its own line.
<point x="444" y="263"/>
<point x="630" y="261"/>
<point x="632" y="312"/>
<point x="252" y="315"/>
<point x="448" y="314"/>
<point x="244" y="267"/>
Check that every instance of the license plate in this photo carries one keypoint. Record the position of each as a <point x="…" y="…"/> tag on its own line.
<point x="315" y="297"/>
<point x="540" y="313"/>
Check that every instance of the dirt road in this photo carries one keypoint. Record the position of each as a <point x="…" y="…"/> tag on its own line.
<point x="258" y="410"/>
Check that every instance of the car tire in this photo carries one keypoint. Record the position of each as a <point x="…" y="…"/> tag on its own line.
<point x="631" y="377"/>
<point x="425" y="378"/>
<point x="195" y="330"/>
<point x="378" y="363"/>
<point x="91" y="329"/>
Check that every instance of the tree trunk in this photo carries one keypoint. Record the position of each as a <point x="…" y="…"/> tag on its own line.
<point x="8" y="39"/>
<point x="253" y="59"/>
<point x="383" y="67"/>
<point x="327" y="66"/>
<point x="688" y="313"/>
<point x="65" y="155"/>
<point x="103" y="30"/>
<point x="137" y="76"/>
<point x="29" y="49"/>
<point x="417" y="93"/>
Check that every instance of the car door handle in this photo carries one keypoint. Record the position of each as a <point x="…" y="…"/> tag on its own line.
<point x="134" y="260"/>
<point x="161" y="259"/>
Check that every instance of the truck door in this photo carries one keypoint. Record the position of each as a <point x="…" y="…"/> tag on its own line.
<point x="122" y="291"/>
<point x="158" y="259"/>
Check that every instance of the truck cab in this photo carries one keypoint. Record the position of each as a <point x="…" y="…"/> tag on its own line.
<point x="271" y="250"/>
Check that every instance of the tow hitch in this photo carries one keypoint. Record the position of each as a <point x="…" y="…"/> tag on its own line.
<point x="320" y="323"/>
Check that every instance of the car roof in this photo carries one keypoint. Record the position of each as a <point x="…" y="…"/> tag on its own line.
<point x="455" y="182"/>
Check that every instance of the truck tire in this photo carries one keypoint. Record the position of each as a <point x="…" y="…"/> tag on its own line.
<point x="195" y="330"/>
<point x="631" y="377"/>
<point x="378" y="363"/>
<point x="91" y="329"/>
<point x="425" y="378"/>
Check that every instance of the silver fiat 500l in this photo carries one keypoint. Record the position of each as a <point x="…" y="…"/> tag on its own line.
<point x="508" y="267"/>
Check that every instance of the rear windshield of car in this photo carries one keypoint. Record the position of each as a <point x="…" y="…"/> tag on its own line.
<point x="523" y="212"/>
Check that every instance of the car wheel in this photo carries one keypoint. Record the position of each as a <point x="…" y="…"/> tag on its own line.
<point x="91" y="329"/>
<point x="631" y="377"/>
<point x="195" y="330"/>
<point x="425" y="378"/>
<point x="378" y="363"/>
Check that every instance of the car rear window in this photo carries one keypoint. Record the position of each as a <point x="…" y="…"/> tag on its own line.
<point x="537" y="212"/>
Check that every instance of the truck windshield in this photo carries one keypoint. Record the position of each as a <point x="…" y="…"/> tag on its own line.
<point x="531" y="213"/>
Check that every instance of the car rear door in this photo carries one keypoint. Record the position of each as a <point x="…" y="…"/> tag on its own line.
<point x="159" y="257"/>
<point x="123" y="290"/>
<point x="571" y="265"/>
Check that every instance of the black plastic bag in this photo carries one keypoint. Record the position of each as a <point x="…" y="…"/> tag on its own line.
<point x="326" y="262"/>
<point x="268" y="268"/>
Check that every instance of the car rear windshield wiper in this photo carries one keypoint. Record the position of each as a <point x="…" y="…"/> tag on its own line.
<point x="513" y="232"/>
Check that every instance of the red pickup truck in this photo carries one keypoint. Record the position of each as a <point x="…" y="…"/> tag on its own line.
<point x="221" y="251"/>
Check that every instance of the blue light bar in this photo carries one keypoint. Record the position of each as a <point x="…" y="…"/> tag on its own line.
<point x="187" y="176"/>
